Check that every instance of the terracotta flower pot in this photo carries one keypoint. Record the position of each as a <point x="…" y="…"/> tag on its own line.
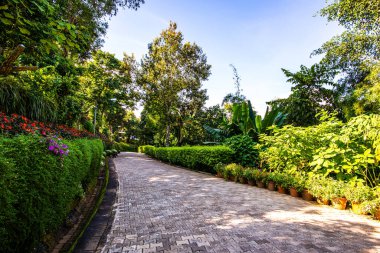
<point x="251" y="182"/>
<point x="307" y="196"/>
<point x="260" y="184"/>
<point x="323" y="201"/>
<point x="281" y="189"/>
<point x="271" y="186"/>
<point x="377" y="214"/>
<point x="294" y="192"/>
<point x="356" y="208"/>
<point x="339" y="203"/>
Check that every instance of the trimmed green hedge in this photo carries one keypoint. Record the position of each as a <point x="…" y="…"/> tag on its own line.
<point x="202" y="158"/>
<point x="145" y="149"/>
<point x="38" y="189"/>
<point x="124" y="147"/>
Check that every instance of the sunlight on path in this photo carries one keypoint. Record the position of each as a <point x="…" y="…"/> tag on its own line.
<point x="161" y="208"/>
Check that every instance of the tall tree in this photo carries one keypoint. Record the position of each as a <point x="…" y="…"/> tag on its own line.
<point x="171" y="79"/>
<point x="357" y="50"/>
<point x="49" y="28"/>
<point x="312" y="91"/>
<point x="107" y="84"/>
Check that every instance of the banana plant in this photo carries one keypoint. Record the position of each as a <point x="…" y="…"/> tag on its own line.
<point x="243" y="116"/>
<point x="272" y="117"/>
<point x="245" y="121"/>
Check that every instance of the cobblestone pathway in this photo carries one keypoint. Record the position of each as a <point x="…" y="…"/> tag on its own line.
<point x="161" y="208"/>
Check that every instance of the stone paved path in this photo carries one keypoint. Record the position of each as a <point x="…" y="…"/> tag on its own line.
<point x="161" y="208"/>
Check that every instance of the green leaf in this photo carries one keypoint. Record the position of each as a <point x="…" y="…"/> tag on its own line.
<point x="8" y="15"/>
<point x="24" y="31"/>
<point x="6" y="21"/>
<point x="4" y="7"/>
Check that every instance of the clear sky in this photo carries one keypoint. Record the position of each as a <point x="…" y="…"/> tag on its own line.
<point x="259" y="37"/>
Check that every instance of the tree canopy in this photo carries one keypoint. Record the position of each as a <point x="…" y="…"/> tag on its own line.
<point x="355" y="53"/>
<point x="171" y="79"/>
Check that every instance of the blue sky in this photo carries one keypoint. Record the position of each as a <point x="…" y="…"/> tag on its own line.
<point x="259" y="37"/>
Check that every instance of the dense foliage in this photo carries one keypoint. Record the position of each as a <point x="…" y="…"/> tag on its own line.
<point x="124" y="147"/>
<point x="171" y="79"/>
<point x="58" y="29"/>
<point x="245" y="150"/>
<point x="347" y="151"/>
<point x="37" y="188"/>
<point x="198" y="158"/>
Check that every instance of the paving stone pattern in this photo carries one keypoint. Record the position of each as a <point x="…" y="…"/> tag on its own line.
<point x="162" y="208"/>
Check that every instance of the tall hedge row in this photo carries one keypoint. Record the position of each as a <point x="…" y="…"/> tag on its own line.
<point x="37" y="188"/>
<point x="198" y="158"/>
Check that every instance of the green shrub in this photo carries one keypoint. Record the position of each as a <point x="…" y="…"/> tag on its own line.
<point x="245" y="151"/>
<point x="357" y="193"/>
<point x="38" y="189"/>
<point x="297" y="181"/>
<point x="144" y="149"/>
<point x="291" y="149"/>
<point x="353" y="153"/>
<point x="202" y="158"/>
<point x="343" y="151"/>
<point x="89" y="126"/>
<point x="228" y="171"/>
<point x="219" y="168"/>
<point x="371" y="206"/>
<point x="280" y="179"/>
<point x="235" y="170"/>
<point x="124" y="147"/>
<point x="325" y="188"/>
<point x="248" y="174"/>
<point x="260" y="175"/>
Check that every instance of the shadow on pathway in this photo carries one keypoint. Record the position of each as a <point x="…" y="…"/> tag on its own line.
<point x="162" y="208"/>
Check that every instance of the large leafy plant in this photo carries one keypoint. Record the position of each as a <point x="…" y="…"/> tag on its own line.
<point x="352" y="153"/>
<point x="245" y="150"/>
<point x="292" y="148"/>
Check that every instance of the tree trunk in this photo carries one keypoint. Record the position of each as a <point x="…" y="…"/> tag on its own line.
<point x="167" y="139"/>
<point x="180" y="137"/>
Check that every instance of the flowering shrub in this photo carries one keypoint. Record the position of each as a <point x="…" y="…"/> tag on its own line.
<point x="17" y="124"/>
<point x="37" y="190"/>
<point x="57" y="147"/>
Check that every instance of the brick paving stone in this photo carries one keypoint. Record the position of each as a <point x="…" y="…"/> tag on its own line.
<point x="163" y="208"/>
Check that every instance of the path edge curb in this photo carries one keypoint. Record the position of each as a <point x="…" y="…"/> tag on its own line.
<point x="95" y="209"/>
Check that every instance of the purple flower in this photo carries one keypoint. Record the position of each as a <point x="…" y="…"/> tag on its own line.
<point x="64" y="146"/>
<point x="51" y="148"/>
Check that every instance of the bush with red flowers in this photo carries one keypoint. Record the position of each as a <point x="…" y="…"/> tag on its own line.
<point x="17" y="124"/>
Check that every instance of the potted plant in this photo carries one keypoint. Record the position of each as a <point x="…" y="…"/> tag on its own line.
<point x="372" y="207"/>
<point x="248" y="174"/>
<point x="282" y="182"/>
<point x="296" y="185"/>
<point x="227" y="172"/>
<point x="237" y="172"/>
<point x="357" y="193"/>
<point x="260" y="178"/>
<point x="321" y="188"/>
<point x="306" y="194"/>
<point x="270" y="181"/>
<point x="337" y="195"/>
<point x="242" y="179"/>
<point x="219" y="169"/>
